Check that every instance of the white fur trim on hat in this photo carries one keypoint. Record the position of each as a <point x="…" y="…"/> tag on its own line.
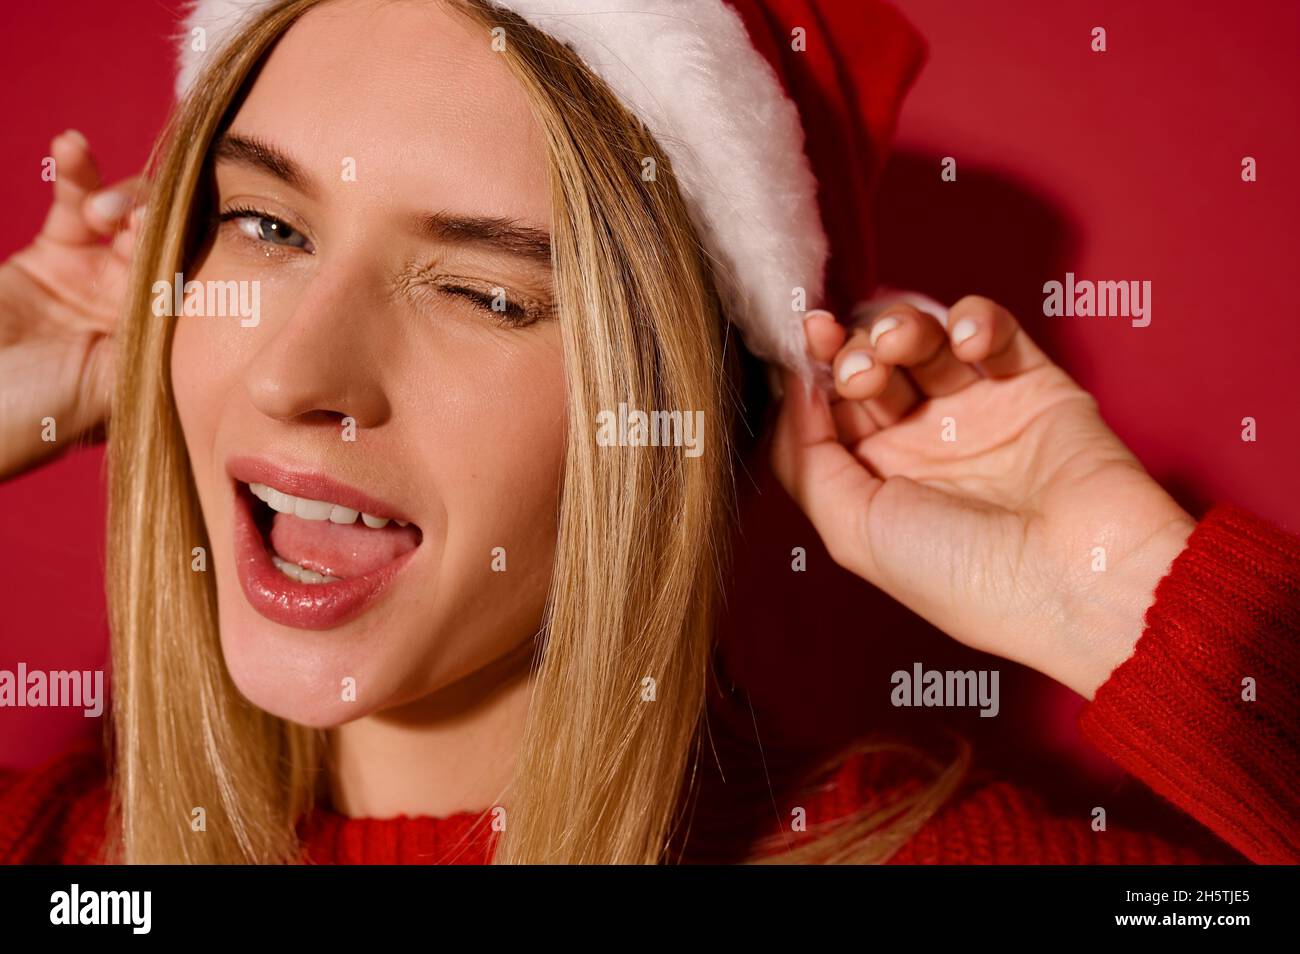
<point x="884" y="297"/>
<point x="716" y="107"/>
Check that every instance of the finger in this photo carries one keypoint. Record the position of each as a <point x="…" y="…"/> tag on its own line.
<point x="123" y="243"/>
<point x="854" y="422"/>
<point x="75" y="177"/>
<point x="832" y="487"/>
<point x="984" y="332"/>
<point x="914" y="339"/>
<point x="885" y="394"/>
<point x="858" y="375"/>
<point x="109" y="211"/>
<point x="824" y="335"/>
<point x="898" y="400"/>
<point x="805" y="413"/>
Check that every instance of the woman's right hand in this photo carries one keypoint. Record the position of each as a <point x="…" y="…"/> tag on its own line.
<point x="60" y="298"/>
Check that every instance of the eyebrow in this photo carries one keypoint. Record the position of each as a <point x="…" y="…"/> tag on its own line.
<point x="499" y="234"/>
<point x="261" y="155"/>
<point x="492" y="232"/>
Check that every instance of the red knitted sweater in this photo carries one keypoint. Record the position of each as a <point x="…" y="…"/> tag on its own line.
<point x="1173" y="715"/>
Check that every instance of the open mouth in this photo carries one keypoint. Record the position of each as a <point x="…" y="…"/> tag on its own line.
<point x="319" y="541"/>
<point x="312" y="553"/>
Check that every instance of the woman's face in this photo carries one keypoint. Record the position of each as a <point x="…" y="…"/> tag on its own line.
<point x="383" y="186"/>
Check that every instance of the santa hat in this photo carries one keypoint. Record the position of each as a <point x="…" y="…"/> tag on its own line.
<point x="775" y="116"/>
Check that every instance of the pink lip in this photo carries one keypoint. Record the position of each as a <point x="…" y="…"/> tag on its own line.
<point x="274" y="595"/>
<point x="253" y="470"/>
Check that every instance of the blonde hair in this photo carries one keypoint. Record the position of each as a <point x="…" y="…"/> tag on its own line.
<point x="639" y="553"/>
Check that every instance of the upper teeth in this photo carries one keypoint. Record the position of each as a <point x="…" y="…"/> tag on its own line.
<point x="309" y="509"/>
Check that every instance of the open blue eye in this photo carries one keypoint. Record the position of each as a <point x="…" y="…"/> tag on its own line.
<point x="260" y="227"/>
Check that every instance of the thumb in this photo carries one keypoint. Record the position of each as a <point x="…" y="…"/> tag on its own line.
<point x="832" y="487"/>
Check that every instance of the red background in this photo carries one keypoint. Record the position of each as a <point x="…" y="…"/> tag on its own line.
<point x="1116" y="166"/>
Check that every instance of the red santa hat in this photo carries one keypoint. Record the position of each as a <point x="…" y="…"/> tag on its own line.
<point x="775" y="115"/>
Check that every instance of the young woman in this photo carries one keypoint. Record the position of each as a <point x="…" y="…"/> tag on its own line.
<point x="379" y="592"/>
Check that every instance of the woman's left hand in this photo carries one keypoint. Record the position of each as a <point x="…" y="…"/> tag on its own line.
<point x="970" y="478"/>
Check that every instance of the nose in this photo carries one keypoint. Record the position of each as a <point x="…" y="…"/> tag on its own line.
<point x="318" y="366"/>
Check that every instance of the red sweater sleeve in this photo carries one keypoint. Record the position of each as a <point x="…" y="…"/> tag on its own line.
<point x="1177" y="714"/>
<point x="1173" y="715"/>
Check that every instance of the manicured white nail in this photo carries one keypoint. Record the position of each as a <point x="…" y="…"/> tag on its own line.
<point x="109" y="205"/>
<point x="855" y="363"/>
<point x="881" y="326"/>
<point x="77" y="136"/>
<point x="819" y="313"/>
<point x="964" y="329"/>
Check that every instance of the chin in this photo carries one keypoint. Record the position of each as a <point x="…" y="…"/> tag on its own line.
<point x="316" y="679"/>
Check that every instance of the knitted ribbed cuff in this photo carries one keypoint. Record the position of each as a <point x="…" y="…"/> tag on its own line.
<point x="1177" y="713"/>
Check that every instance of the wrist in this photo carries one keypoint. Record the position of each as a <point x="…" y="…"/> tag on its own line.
<point x="1105" y="620"/>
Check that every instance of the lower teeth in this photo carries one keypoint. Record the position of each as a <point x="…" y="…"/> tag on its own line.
<point x="300" y="574"/>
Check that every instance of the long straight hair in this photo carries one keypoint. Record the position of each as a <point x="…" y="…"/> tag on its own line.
<point x="619" y="699"/>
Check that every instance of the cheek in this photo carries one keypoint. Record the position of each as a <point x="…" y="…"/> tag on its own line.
<point x="500" y="447"/>
<point x="191" y="376"/>
<point x="209" y="357"/>
<point x="197" y="386"/>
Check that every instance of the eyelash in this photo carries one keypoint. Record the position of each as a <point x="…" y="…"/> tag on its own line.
<point x="520" y="312"/>
<point x="515" y="315"/>
<point x="248" y="212"/>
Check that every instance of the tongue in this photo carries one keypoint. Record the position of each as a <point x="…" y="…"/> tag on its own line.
<point x="342" y="550"/>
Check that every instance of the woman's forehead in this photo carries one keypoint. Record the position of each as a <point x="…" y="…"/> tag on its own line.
<point x="412" y="97"/>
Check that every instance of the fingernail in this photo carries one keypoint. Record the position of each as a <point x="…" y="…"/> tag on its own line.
<point x="819" y="313"/>
<point x="109" y="205"/>
<point x="964" y="329"/>
<point x="855" y="363"/>
<point x="76" y="136"/>
<point x="881" y="326"/>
